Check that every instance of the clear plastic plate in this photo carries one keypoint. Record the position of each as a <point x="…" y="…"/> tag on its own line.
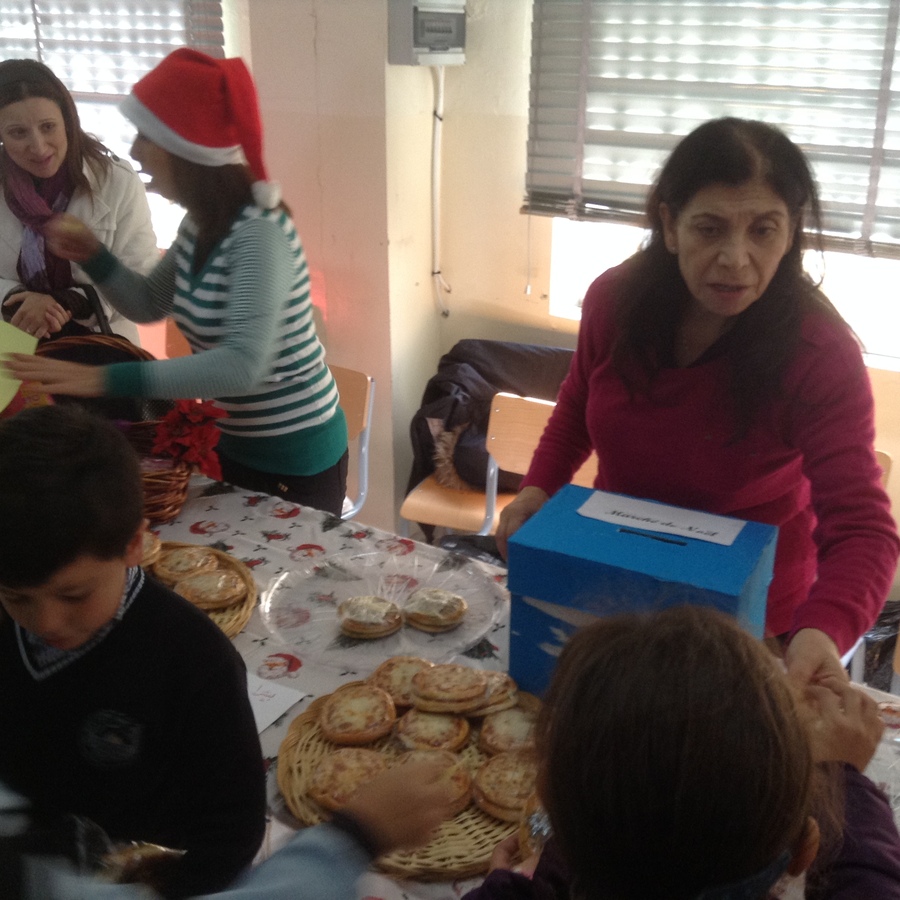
<point x="299" y="607"/>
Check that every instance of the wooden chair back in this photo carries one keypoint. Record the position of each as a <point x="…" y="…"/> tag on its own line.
<point x="514" y="430"/>
<point x="357" y="397"/>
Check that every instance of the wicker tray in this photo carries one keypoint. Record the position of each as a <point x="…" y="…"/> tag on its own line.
<point x="460" y="848"/>
<point x="233" y="618"/>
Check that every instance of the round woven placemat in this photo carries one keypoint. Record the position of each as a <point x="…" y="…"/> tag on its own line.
<point x="233" y="618"/>
<point x="460" y="848"/>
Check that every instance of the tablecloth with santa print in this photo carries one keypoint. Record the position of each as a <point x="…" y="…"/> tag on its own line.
<point x="272" y="537"/>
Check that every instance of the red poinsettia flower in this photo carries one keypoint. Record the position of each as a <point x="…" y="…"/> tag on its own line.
<point x="188" y="434"/>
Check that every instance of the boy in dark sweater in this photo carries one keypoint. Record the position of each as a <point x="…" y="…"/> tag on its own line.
<point x="119" y="700"/>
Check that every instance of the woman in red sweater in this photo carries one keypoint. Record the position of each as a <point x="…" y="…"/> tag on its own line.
<point x="712" y="373"/>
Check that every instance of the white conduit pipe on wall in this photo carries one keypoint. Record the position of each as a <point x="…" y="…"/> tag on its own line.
<point x="440" y="286"/>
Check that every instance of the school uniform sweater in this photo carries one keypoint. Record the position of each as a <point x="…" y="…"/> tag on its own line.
<point x="807" y="466"/>
<point x="247" y="315"/>
<point x="149" y="734"/>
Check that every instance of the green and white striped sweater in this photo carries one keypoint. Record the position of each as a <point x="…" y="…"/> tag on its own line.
<point x="247" y="316"/>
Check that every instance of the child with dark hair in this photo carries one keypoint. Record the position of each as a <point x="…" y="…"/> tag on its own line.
<point x="121" y="702"/>
<point x="675" y="762"/>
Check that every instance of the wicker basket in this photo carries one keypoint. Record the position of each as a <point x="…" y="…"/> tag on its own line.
<point x="165" y="486"/>
<point x="460" y="848"/>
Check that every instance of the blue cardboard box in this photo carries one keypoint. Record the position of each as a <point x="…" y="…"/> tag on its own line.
<point x="566" y="569"/>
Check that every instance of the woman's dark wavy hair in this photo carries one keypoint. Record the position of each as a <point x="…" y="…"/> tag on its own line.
<point x="22" y="79"/>
<point x="214" y="195"/>
<point x="672" y="756"/>
<point x="652" y="296"/>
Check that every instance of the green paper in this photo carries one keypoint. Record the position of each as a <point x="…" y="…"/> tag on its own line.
<point x="12" y="340"/>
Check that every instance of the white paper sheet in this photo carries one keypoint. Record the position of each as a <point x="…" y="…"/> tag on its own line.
<point x="644" y="515"/>
<point x="269" y="700"/>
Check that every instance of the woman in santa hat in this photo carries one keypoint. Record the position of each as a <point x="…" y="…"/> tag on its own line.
<point x="235" y="281"/>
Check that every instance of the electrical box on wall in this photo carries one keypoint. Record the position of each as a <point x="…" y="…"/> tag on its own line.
<point x="426" y="32"/>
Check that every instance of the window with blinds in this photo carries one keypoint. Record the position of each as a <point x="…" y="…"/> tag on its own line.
<point x="99" y="48"/>
<point x="616" y="83"/>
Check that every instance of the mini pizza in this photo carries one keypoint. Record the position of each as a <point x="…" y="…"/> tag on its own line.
<point x="369" y="617"/>
<point x="419" y="730"/>
<point x="150" y="548"/>
<point x="503" y="784"/>
<point x="509" y="729"/>
<point x="357" y="714"/>
<point x="179" y="562"/>
<point x="455" y="776"/>
<point x="217" y="589"/>
<point x="395" y="675"/>
<point x="501" y="693"/>
<point x="341" y="773"/>
<point x="434" y="610"/>
<point x="449" y="687"/>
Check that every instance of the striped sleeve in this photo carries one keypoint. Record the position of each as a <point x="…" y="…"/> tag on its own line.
<point x="257" y="276"/>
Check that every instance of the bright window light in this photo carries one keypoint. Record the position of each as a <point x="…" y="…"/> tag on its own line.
<point x="863" y="289"/>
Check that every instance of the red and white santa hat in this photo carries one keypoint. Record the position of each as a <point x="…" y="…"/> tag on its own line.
<point x="206" y="111"/>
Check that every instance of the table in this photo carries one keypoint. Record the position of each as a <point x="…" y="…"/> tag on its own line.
<point x="272" y="537"/>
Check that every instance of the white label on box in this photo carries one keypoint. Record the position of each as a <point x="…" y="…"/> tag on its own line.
<point x="643" y="515"/>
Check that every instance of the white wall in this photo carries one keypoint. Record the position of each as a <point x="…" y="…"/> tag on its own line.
<point x="492" y="251"/>
<point x="349" y="138"/>
<point x="320" y="71"/>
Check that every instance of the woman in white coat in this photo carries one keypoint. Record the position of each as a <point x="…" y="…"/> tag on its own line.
<point x="48" y="164"/>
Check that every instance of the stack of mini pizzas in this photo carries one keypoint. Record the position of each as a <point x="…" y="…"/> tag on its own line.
<point x="476" y="723"/>
<point x="211" y="579"/>
<point x="428" y="609"/>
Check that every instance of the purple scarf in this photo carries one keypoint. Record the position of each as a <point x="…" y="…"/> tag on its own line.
<point x="33" y="201"/>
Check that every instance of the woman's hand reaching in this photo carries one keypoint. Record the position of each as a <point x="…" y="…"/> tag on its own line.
<point x="528" y="501"/>
<point x="811" y="656"/>
<point x="69" y="238"/>
<point x="57" y="376"/>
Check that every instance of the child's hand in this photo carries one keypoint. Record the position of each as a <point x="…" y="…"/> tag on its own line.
<point x="845" y="724"/>
<point x="402" y="806"/>
<point x="507" y="852"/>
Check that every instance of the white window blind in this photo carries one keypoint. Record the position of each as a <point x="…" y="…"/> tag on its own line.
<point x="614" y="85"/>
<point x="100" y="48"/>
